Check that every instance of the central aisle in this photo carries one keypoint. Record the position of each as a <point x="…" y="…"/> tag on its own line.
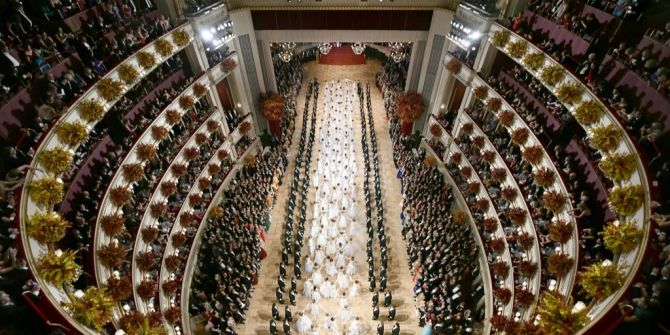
<point x="400" y="280"/>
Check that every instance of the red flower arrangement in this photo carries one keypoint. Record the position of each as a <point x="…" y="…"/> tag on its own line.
<point x="502" y="294"/>
<point x="489" y="156"/>
<point x="560" y="264"/>
<point x="172" y="116"/>
<point x="533" y="154"/>
<point x="213" y="168"/>
<point x="213" y="126"/>
<point x="149" y="234"/>
<point x="178" y="239"/>
<point x="466" y="171"/>
<point x="516" y="215"/>
<point x="172" y="315"/>
<point x="201" y="138"/>
<point x="179" y="169"/>
<point x="481" y="92"/>
<point x="147" y="289"/>
<point x="520" y="136"/>
<point x="474" y="187"/>
<point x="468" y="128"/>
<point x="112" y="224"/>
<point x="120" y="196"/>
<point x="498" y="174"/>
<point x="191" y="153"/>
<point x="173" y="263"/>
<point x="499" y="269"/>
<point x="554" y="201"/>
<point x="204" y="183"/>
<point x="436" y="130"/>
<point x="146" y="151"/>
<point x="454" y="66"/>
<point x="112" y="255"/>
<point x="171" y="286"/>
<point x="506" y="118"/>
<point x="498" y="245"/>
<point x="560" y="231"/>
<point x="159" y="133"/>
<point x="526" y="268"/>
<point x="456" y="157"/>
<point x="544" y="177"/>
<point x="155" y="319"/>
<point x="478" y="141"/>
<point x="195" y="199"/>
<point x="525" y="241"/>
<point x="186" y="102"/>
<point x="272" y="106"/>
<point x="483" y="204"/>
<point x="119" y="288"/>
<point x="145" y="260"/>
<point x="158" y="209"/>
<point x="222" y="154"/>
<point x="199" y="90"/>
<point x="524" y="298"/>
<point x="490" y="224"/>
<point x="186" y="219"/>
<point x="509" y="193"/>
<point x="502" y="324"/>
<point x="245" y="127"/>
<point x="409" y="106"/>
<point x="493" y="104"/>
<point x="133" y="172"/>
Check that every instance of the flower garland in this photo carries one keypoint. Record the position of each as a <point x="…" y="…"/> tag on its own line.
<point x="146" y="60"/>
<point x="534" y="60"/>
<point x="229" y="64"/>
<point x="589" y="112"/>
<point x="554" y="201"/>
<point x="493" y="104"/>
<point x="112" y="255"/>
<point x="91" y="110"/>
<point x="149" y="234"/>
<point x="173" y="262"/>
<point x="128" y="73"/>
<point x="158" y="209"/>
<point x="601" y="279"/>
<point x="560" y="264"/>
<point x="498" y="174"/>
<point x="516" y="215"/>
<point x="109" y="89"/>
<point x="56" y="160"/>
<point x="621" y="238"/>
<point x="556" y="314"/>
<point x="47" y="228"/>
<point x="409" y="106"/>
<point x="524" y="298"/>
<point x="180" y="37"/>
<point x="59" y="268"/>
<point x="172" y="116"/>
<point x="186" y="101"/>
<point x="133" y="172"/>
<point x="552" y="75"/>
<point x="46" y="191"/>
<point x="112" y="224"/>
<point x="120" y="196"/>
<point x="163" y="47"/>
<point x="199" y="90"/>
<point x="533" y="154"/>
<point x="481" y="92"/>
<point x="506" y="118"/>
<point x="570" y="93"/>
<point x="159" y="133"/>
<point x="119" y="288"/>
<point x="454" y="66"/>
<point x="146" y="151"/>
<point x="93" y="308"/>
<point x="520" y="136"/>
<point x="272" y="106"/>
<point x="500" y="38"/>
<point x="517" y="48"/>
<point x="544" y="177"/>
<point x="626" y="200"/>
<point x="560" y="231"/>
<point x="71" y="133"/>
<point x="618" y="167"/>
<point x="147" y="289"/>
<point x="178" y="240"/>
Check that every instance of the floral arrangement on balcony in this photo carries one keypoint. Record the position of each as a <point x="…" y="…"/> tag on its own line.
<point x="133" y="172"/>
<point x="570" y="93"/>
<point x="119" y="288"/>
<point x="481" y="92"/>
<point x="272" y="106"/>
<point x="478" y="141"/>
<point x="409" y="106"/>
<point x="525" y="241"/>
<point x="213" y="168"/>
<point x="109" y="89"/>
<point x="504" y="295"/>
<point x="490" y="224"/>
<point x="120" y="196"/>
<point x="186" y="101"/>
<point x="456" y="157"/>
<point x="524" y="298"/>
<point x="526" y="268"/>
<point x="502" y="323"/>
<point x="158" y="209"/>
<point x="544" y="177"/>
<point x="93" y="307"/>
<point x="250" y="160"/>
<point x="56" y="160"/>
<point x="172" y="116"/>
<point x="223" y="155"/>
<point x="195" y="199"/>
<point x="489" y="156"/>
<point x="618" y="167"/>
<point x="159" y="133"/>
<point x="506" y="118"/>
<point x="91" y="110"/>
<point x="178" y="239"/>
<point x="474" y="187"/>
<point x="72" y="133"/>
<point x="589" y="112"/>
<point x="552" y="75"/>
<point x="137" y="324"/>
<point x="168" y="188"/>
<point x="149" y="234"/>
<point x="454" y="66"/>
<point x="509" y="193"/>
<point x="179" y="169"/>
<point x="171" y="286"/>
<point x="172" y="315"/>
<point x="112" y="255"/>
<point x="560" y="231"/>
<point x="145" y="260"/>
<point x="498" y="245"/>
<point x="146" y="151"/>
<point x="516" y="215"/>
<point x="517" y="48"/>
<point x="500" y="38"/>
<point x="520" y="136"/>
<point x="59" y="268"/>
<point x="499" y="269"/>
<point x="213" y="126"/>
<point x="147" y="289"/>
<point x="626" y="200"/>
<point x="534" y="60"/>
<point x="493" y="104"/>
<point x="201" y="138"/>
<point x="459" y="217"/>
<point x="554" y="201"/>
<point x="180" y="37"/>
<point x="191" y="153"/>
<point x="173" y="262"/>
<point x="46" y="191"/>
<point x="128" y="73"/>
<point x="112" y="224"/>
<point x="601" y="279"/>
<point x="468" y="128"/>
<point x="245" y="127"/>
<point x="199" y="90"/>
<point x="498" y="174"/>
<point x="229" y="64"/>
<point x="163" y="47"/>
<point x="483" y="204"/>
<point x="621" y="237"/>
<point x="533" y="154"/>
<point x="559" y="264"/>
<point x="186" y="219"/>
<point x="466" y="171"/>
<point x="436" y="130"/>
<point x="146" y="60"/>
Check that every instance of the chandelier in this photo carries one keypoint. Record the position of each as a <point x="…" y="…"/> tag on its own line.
<point x="358" y="48"/>
<point x="286" y="51"/>
<point x="398" y="53"/>
<point x="324" y="48"/>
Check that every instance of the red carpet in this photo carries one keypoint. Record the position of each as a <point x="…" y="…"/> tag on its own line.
<point x="342" y="56"/>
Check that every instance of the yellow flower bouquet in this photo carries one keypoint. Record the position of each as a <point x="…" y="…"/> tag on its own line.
<point x="72" y="133"/>
<point x="46" y="191"/>
<point x="622" y="237"/>
<point x="56" y="160"/>
<point x="93" y="308"/>
<point x="626" y="200"/>
<point x="618" y="167"/>
<point x="601" y="279"/>
<point x="109" y="89"/>
<point x="47" y="227"/>
<point x="569" y="93"/>
<point x="517" y="48"/>
<point x="163" y="47"/>
<point x="180" y="37"/>
<point x="605" y="138"/>
<point x="146" y="59"/>
<point x="534" y="60"/>
<point x="128" y="73"/>
<point x="556" y="314"/>
<point x="59" y="268"/>
<point x="589" y="112"/>
<point x="91" y="110"/>
<point x="552" y="74"/>
<point x="500" y="38"/>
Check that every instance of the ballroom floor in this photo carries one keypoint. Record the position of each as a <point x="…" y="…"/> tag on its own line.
<point x="400" y="278"/>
